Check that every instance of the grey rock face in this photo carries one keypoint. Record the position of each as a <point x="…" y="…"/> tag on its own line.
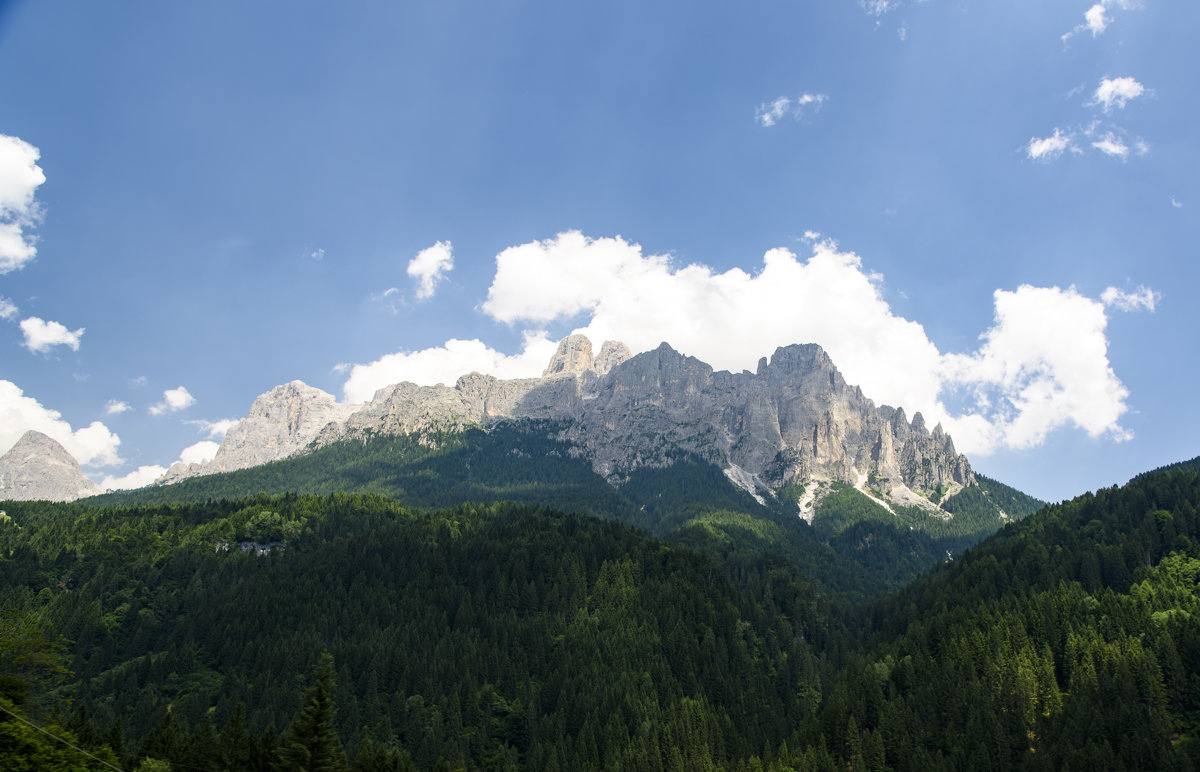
<point x="796" y="419"/>
<point x="612" y="353"/>
<point x="574" y="355"/>
<point x="281" y="422"/>
<point x="39" y="468"/>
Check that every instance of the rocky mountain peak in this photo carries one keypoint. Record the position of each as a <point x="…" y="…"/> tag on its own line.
<point x="795" y="420"/>
<point x="281" y="422"/>
<point x="612" y="353"/>
<point x="39" y="468"/>
<point x="574" y="355"/>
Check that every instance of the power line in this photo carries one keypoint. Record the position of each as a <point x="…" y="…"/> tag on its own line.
<point x="85" y="753"/>
<point x="24" y="720"/>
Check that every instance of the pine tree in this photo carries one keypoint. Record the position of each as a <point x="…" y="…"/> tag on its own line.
<point x="310" y="743"/>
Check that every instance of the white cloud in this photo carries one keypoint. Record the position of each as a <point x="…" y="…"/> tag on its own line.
<point x="1097" y="19"/>
<point x="173" y="401"/>
<point x="41" y="335"/>
<point x="1141" y="299"/>
<point x="215" y="429"/>
<point x="769" y="113"/>
<point x="91" y="445"/>
<point x="116" y="407"/>
<point x="429" y="267"/>
<point x="879" y="7"/>
<point x="8" y="309"/>
<point x="390" y="299"/>
<point x="445" y="364"/>
<point x="1049" y="148"/>
<point x="199" y="453"/>
<point x="317" y="254"/>
<point x="1116" y="92"/>
<point x="1176" y="203"/>
<point x="20" y="177"/>
<point x="1043" y="364"/>
<point x="1110" y="145"/>
<point x="138" y="478"/>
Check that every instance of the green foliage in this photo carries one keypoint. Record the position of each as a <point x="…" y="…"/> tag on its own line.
<point x="1069" y="640"/>
<point x="484" y="635"/>
<point x="516" y="461"/>
<point x="311" y="743"/>
<point x="510" y="636"/>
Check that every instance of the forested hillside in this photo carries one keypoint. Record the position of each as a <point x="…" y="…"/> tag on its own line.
<point x="1068" y="641"/>
<point x="856" y="548"/>
<point x="246" y="633"/>
<point x="471" y="636"/>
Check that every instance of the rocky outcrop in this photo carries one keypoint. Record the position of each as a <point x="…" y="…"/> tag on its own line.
<point x="795" y="419"/>
<point x="612" y="353"/>
<point x="574" y="355"/>
<point x="39" y="468"/>
<point x="281" y="422"/>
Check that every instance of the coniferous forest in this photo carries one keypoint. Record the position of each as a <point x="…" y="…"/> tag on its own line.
<point x="520" y="615"/>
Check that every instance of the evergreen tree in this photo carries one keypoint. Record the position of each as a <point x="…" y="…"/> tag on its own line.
<point x="310" y="743"/>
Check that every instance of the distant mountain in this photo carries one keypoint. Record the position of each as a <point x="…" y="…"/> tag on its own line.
<point x="795" y="422"/>
<point x="281" y="422"/>
<point x="38" y="467"/>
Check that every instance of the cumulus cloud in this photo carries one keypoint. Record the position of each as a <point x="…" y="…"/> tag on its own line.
<point x="430" y="266"/>
<point x="41" y="336"/>
<point x="1116" y="92"/>
<point x="769" y="113"/>
<point x="1049" y="148"/>
<point x="201" y="452"/>
<point x="116" y="407"/>
<point x="1043" y="364"/>
<point x="90" y="445"/>
<point x="1141" y="299"/>
<point x="138" y="478"/>
<point x="20" y="177"/>
<point x="215" y="429"/>
<point x="444" y="364"/>
<point x="8" y="309"/>
<point x="173" y="401"/>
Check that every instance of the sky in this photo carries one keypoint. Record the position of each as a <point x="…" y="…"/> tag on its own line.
<point x="983" y="210"/>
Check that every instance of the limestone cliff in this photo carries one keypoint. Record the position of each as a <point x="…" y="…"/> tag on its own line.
<point x="281" y="422"/>
<point x="39" y="468"/>
<point x="794" y="420"/>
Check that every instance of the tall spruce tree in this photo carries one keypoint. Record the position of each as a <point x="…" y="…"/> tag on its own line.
<point x="310" y="743"/>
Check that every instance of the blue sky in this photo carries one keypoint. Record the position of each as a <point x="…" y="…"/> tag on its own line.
<point x="983" y="210"/>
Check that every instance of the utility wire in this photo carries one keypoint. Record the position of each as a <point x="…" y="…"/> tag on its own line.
<point x="24" y="720"/>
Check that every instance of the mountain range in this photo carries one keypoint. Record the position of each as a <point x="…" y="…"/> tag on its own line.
<point x="794" y="422"/>
<point x="759" y="570"/>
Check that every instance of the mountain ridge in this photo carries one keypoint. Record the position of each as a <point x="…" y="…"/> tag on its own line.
<point x="795" y="420"/>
